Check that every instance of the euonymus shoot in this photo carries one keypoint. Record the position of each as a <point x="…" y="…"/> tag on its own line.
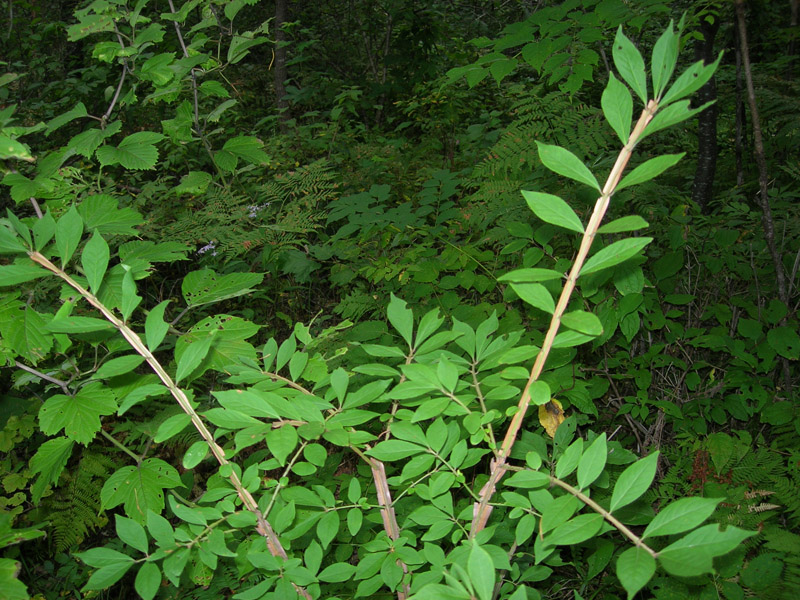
<point x="426" y="409"/>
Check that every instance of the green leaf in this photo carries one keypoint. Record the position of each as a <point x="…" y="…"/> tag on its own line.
<point x="243" y="147"/>
<point x="49" y="461"/>
<point x="328" y="527"/>
<point x="132" y="533"/>
<point x="171" y="427"/>
<point x="140" y="488"/>
<point x="103" y="557"/>
<point x="568" y="461"/>
<point x="481" y="571"/>
<point x="43" y="230"/>
<point x="536" y="295"/>
<point x="240" y="46"/>
<point x="228" y="346"/>
<point x="500" y="69"/>
<point x="401" y="317"/>
<point x="192" y="356"/>
<point x="196" y="453"/>
<point x="681" y="515"/>
<point x="649" y="170"/>
<point x="135" y="151"/>
<point x="9" y="242"/>
<point x="130" y="299"/>
<point x="552" y="209"/>
<point x="528" y="479"/>
<point x="21" y="228"/>
<point x="614" y="254"/>
<point x="251" y="402"/>
<point x="194" y="182"/>
<point x="339" y="381"/>
<point x="562" y="161"/>
<point x="78" y="325"/>
<point x="664" y="59"/>
<point x="672" y="115"/>
<point x="694" y="553"/>
<point x="160" y="529"/>
<point x="204" y="287"/>
<point x="141" y="393"/>
<point x="337" y="572"/>
<point x="630" y="65"/>
<point x="89" y="24"/>
<point x="285" y="352"/>
<point x="540" y="392"/>
<point x="575" y="531"/>
<point x="77" y="112"/>
<point x="158" y="69"/>
<point x="107" y="576"/>
<point x="447" y="373"/>
<point x="11" y="148"/>
<point x="69" y="230"/>
<point x="118" y="366"/>
<point x="78" y="415"/>
<point x="618" y="108"/>
<point x="583" y="322"/>
<point x="634" y="481"/>
<point x="592" y="462"/>
<point x="355" y="519"/>
<point x="94" y="260"/>
<point x="148" y="581"/>
<point x="531" y="275"/>
<point x="282" y="442"/>
<point x="691" y="80"/>
<point x="391" y="450"/>
<point x="101" y="212"/>
<point x="20" y="273"/>
<point x="635" y="567"/>
<point x="155" y="328"/>
<point x="25" y="331"/>
<point x="629" y="223"/>
<point x="785" y="341"/>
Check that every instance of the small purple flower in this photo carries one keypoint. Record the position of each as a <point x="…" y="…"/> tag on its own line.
<point x="209" y="246"/>
<point x="255" y="209"/>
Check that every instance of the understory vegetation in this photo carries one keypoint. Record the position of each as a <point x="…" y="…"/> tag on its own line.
<point x="401" y="299"/>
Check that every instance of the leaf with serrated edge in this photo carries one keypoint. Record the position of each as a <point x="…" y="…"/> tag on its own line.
<point x="94" y="260"/>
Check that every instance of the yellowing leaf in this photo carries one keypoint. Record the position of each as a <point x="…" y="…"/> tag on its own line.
<point x="551" y="415"/>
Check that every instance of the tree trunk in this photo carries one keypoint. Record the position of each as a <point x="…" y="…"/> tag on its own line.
<point x="280" y="65"/>
<point x="741" y="115"/>
<point x="763" y="178"/>
<point x="794" y="7"/>
<point x="702" y="189"/>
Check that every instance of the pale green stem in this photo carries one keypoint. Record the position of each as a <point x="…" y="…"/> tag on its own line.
<point x="637" y="541"/>
<point x="482" y="509"/>
<point x="118" y="444"/>
<point x="262" y="525"/>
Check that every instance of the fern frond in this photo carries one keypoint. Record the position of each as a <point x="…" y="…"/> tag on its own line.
<point x="74" y="509"/>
